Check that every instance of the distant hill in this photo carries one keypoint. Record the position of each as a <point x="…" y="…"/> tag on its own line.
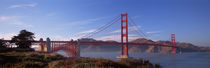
<point x="182" y="46"/>
<point x="187" y="47"/>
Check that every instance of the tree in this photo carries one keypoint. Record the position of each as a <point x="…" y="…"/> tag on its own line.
<point x="2" y="44"/>
<point x="24" y="39"/>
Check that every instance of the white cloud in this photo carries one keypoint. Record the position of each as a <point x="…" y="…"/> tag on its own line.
<point x="82" y="22"/>
<point x="116" y="31"/>
<point x="133" y="17"/>
<point x="51" y="14"/>
<point x="54" y="37"/>
<point x="88" y="31"/>
<point x="153" y="32"/>
<point x="109" y="37"/>
<point x="21" y="24"/>
<point x="59" y="37"/>
<point x="7" y="36"/>
<point x="62" y="38"/>
<point x="23" y="5"/>
<point x="13" y="20"/>
<point x="5" y="18"/>
<point x="88" y="21"/>
<point x="133" y="28"/>
<point x="117" y="37"/>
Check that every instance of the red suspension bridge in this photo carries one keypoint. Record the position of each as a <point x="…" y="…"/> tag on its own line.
<point x="72" y="48"/>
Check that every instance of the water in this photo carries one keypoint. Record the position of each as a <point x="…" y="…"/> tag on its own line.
<point x="184" y="60"/>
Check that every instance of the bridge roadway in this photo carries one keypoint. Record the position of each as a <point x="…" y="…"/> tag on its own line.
<point x="104" y="43"/>
<point x="117" y="43"/>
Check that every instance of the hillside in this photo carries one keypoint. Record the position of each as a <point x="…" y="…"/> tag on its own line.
<point x="53" y="60"/>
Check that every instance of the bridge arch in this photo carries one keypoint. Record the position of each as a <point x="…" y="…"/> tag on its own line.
<point x="70" y="47"/>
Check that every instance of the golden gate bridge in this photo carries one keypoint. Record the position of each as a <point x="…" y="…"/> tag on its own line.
<point x="72" y="48"/>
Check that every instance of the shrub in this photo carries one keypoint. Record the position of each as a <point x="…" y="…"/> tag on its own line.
<point x="61" y="64"/>
<point x="28" y="65"/>
<point x="50" y="60"/>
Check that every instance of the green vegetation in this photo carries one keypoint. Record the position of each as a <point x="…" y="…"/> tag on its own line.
<point x="24" y="39"/>
<point x="27" y="59"/>
<point x="2" y="44"/>
<point x="4" y="50"/>
<point x="23" y="42"/>
<point x="52" y="60"/>
<point x="100" y="63"/>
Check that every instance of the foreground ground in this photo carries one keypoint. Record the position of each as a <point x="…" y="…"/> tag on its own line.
<point x="52" y="60"/>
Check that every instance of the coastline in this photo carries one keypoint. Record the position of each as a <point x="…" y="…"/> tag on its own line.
<point x="53" y="60"/>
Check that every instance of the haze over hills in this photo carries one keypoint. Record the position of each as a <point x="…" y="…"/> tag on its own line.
<point x="182" y="46"/>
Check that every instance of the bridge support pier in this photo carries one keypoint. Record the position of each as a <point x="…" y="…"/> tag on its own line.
<point x="78" y="48"/>
<point x="48" y="44"/>
<point x="44" y="46"/>
<point x="41" y="45"/>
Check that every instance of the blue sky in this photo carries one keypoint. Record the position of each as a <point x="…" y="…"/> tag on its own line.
<point x="66" y="19"/>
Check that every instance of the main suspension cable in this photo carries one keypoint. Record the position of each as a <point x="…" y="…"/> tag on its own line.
<point x="102" y="28"/>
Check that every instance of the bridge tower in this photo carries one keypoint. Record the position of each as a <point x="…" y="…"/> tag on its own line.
<point x="124" y="36"/>
<point x="173" y="44"/>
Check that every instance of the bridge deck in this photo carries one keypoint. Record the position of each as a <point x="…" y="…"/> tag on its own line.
<point x="117" y="43"/>
<point x="103" y="43"/>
